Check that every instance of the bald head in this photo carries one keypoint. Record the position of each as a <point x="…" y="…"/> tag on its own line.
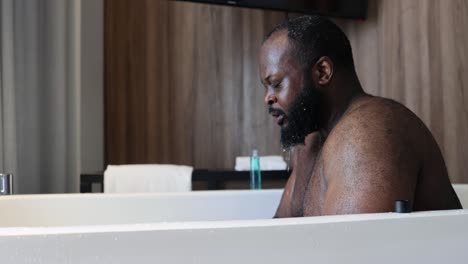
<point x="312" y="37"/>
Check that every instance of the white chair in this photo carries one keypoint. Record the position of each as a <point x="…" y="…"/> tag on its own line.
<point x="147" y="178"/>
<point x="462" y="192"/>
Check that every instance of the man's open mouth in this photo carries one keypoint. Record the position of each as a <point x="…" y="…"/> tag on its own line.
<point x="279" y="118"/>
<point x="278" y="115"/>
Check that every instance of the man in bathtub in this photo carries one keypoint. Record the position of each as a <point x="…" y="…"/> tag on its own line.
<point x="351" y="152"/>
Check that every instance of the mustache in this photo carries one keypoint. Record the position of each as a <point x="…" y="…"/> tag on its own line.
<point x="275" y="111"/>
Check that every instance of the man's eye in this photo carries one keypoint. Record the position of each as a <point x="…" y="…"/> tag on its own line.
<point x="277" y="85"/>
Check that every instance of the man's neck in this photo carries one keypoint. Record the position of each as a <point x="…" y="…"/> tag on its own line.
<point x="339" y="99"/>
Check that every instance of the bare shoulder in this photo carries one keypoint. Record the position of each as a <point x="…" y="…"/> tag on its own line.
<point x="377" y="113"/>
<point x="376" y="120"/>
<point x="377" y="153"/>
<point x="371" y="157"/>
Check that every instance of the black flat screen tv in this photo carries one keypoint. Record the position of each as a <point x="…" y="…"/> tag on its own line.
<point x="355" y="9"/>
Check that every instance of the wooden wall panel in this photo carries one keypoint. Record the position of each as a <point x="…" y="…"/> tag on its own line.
<point x="182" y="84"/>
<point x="191" y="94"/>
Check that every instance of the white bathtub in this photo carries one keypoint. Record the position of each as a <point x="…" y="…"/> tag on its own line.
<point x="218" y="227"/>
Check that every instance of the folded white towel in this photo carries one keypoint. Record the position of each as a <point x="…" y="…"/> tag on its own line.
<point x="266" y="163"/>
<point x="147" y="178"/>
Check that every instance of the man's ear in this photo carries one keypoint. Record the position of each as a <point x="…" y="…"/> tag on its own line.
<point x="322" y="71"/>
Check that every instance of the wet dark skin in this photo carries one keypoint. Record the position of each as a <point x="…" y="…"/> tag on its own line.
<point x="368" y="152"/>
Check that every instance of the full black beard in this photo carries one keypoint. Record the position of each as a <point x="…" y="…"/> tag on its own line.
<point x="302" y="118"/>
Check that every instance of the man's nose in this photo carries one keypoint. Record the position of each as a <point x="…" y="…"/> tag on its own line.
<point x="270" y="98"/>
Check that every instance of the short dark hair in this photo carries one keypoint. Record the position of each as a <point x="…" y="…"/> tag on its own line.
<point x="313" y="37"/>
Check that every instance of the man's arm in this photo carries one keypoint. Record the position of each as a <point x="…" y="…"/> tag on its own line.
<point x="284" y="208"/>
<point x="368" y="167"/>
<point x="291" y="204"/>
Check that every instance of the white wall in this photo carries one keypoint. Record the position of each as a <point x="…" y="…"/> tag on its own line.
<point x="92" y="83"/>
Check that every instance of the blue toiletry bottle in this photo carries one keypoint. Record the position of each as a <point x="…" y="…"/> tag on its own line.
<point x="255" y="175"/>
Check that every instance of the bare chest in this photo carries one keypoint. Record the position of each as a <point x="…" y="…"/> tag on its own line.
<point x="314" y="196"/>
<point x="310" y="187"/>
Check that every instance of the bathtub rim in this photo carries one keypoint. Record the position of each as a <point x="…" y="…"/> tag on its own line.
<point x="229" y="224"/>
<point x="135" y="195"/>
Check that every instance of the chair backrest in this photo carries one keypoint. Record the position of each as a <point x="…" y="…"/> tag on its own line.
<point x="146" y="178"/>
<point x="462" y="192"/>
